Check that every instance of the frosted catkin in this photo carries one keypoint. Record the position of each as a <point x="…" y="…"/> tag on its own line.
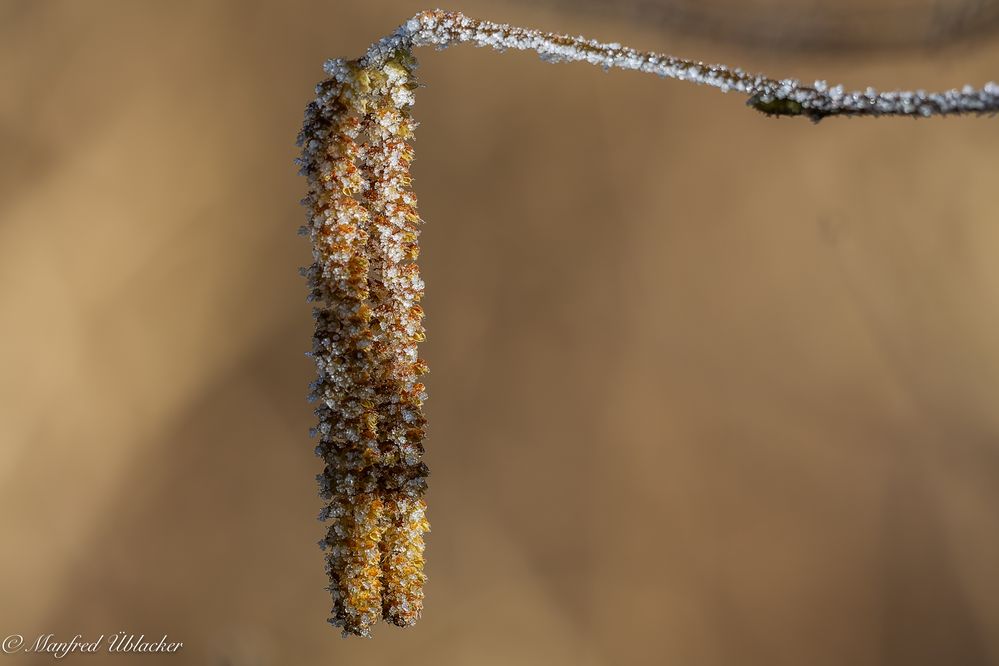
<point x="364" y="227"/>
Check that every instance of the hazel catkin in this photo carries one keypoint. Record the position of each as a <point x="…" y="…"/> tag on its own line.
<point x="364" y="225"/>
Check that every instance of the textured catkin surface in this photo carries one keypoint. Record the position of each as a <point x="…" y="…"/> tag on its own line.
<point x="706" y="388"/>
<point x="363" y="225"/>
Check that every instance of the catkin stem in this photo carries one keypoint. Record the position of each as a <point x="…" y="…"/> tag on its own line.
<point x="772" y="96"/>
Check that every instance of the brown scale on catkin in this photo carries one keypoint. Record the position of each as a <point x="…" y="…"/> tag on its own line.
<point x="364" y="226"/>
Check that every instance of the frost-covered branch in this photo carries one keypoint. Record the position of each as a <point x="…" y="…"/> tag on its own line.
<point x="773" y="96"/>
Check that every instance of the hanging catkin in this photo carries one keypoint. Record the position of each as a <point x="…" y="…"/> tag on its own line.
<point x="364" y="227"/>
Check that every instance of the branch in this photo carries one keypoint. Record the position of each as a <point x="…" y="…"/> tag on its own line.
<point x="787" y="97"/>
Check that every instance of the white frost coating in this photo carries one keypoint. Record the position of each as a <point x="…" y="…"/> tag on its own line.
<point x="782" y="97"/>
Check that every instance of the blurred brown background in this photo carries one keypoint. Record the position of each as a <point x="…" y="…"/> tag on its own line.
<point x="706" y="387"/>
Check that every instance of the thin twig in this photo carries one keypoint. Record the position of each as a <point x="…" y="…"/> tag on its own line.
<point x="772" y="96"/>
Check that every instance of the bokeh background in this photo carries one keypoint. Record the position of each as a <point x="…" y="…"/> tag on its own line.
<point x="706" y="387"/>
